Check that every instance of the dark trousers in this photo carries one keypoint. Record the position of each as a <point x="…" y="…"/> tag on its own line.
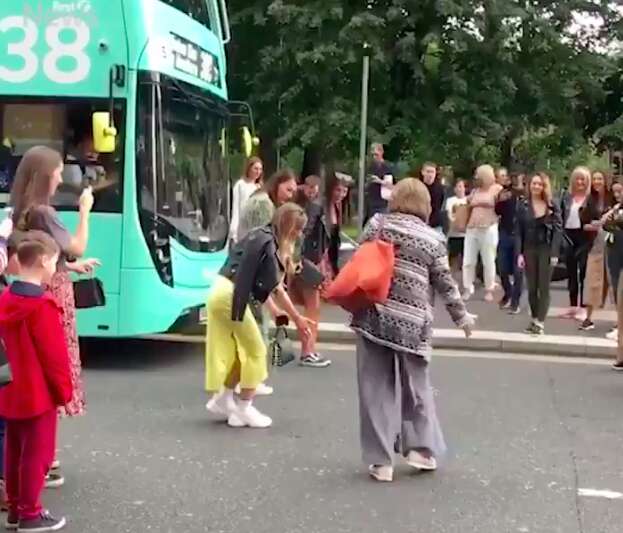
<point x="577" y="255"/>
<point x="507" y="264"/>
<point x="614" y="262"/>
<point x="335" y="242"/>
<point x="539" y="276"/>
<point x="29" y="452"/>
<point x="2" y="433"/>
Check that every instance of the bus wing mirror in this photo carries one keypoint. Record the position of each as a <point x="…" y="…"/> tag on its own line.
<point x="249" y="142"/>
<point x="104" y="133"/>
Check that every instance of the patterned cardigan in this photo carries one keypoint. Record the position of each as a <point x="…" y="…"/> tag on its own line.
<point x="405" y="321"/>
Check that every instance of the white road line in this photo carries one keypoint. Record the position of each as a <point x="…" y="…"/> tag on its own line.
<point x="594" y="493"/>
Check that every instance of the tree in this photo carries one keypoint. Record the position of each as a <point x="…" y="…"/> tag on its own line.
<point x="459" y="81"/>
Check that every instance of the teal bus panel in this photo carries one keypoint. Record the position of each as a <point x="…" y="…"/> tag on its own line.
<point x="49" y="47"/>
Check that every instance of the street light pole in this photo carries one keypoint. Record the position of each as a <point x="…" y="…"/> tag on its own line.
<point x="365" y="82"/>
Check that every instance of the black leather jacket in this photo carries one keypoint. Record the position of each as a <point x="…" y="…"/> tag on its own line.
<point x="315" y="235"/>
<point x="531" y="231"/>
<point x="254" y="268"/>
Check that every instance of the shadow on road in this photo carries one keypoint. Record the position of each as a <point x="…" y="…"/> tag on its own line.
<point x="135" y="354"/>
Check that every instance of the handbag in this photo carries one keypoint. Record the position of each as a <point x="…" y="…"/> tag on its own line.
<point x="89" y="293"/>
<point x="280" y="348"/>
<point x="366" y="278"/>
<point x="308" y="274"/>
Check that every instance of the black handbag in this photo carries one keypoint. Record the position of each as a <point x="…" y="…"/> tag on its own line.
<point x="89" y="293"/>
<point x="309" y="274"/>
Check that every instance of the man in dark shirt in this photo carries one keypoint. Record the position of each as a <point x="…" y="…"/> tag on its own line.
<point x="506" y="207"/>
<point x="380" y="183"/>
<point x="437" y="194"/>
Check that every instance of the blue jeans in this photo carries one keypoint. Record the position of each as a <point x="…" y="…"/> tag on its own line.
<point x="507" y="263"/>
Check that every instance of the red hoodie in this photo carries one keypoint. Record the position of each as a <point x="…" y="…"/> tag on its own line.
<point x="32" y="332"/>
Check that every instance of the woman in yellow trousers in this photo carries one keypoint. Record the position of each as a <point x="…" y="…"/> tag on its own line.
<point x="235" y="351"/>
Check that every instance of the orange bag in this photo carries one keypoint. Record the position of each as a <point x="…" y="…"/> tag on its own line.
<point x="366" y="279"/>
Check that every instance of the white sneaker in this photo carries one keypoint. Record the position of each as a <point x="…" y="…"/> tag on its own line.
<point x="221" y="404"/>
<point x="613" y="335"/>
<point x="419" y="461"/>
<point x="261" y="390"/>
<point x="381" y="473"/>
<point x="249" y="417"/>
<point x="467" y="294"/>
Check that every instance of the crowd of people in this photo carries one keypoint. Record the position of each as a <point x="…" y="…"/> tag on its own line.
<point x="284" y="248"/>
<point x="283" y="253"/>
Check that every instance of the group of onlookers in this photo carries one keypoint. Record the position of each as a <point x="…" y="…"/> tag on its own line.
<point x="517" y="228"/>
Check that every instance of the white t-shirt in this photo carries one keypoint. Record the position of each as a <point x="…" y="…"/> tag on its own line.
<point x="451" y="204"/>
<point x="573" y="220"/>
<point x="240" y="196"/>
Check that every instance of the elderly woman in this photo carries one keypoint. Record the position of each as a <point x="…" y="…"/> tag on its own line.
<point x="397" y="409"/>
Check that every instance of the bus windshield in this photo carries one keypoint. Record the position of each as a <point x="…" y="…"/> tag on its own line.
<point x="181" y="174"/>
<point x="64" y="125"/>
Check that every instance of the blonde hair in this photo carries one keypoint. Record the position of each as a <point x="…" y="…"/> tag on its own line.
<point x="547" y="187"/>
<point x="410" y="196"/>
<point x="577" y="171"/>
<point x="485" y="175"/>
<point x="288" y="219"/>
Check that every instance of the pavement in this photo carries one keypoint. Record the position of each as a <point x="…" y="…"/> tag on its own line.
<point x="497" y="330"/>
<point x="533" y="444"/>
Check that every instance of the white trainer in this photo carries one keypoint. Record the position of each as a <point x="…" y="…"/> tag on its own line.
<point x="381" y="472"/>
<point x="419" y="461"/>
<point x="221" y="404"/>
<point x="248" y="417"/>
<point x="613" y="335"/>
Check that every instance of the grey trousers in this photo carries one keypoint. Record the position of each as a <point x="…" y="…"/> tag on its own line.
<point x="396" y="404"/>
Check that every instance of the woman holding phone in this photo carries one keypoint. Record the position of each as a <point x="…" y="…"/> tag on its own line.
<point x="37" y="179"/>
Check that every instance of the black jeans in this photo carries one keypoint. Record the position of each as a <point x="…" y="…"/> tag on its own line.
<point x="508" y="267"/>
<point x="539" y="276"/>
<point x="614" y="262"/>
<point x="577" y="255"/>
<point x="335" y="242"/>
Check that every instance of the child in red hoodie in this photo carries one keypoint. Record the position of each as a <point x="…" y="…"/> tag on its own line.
<point x="31" y="329"/>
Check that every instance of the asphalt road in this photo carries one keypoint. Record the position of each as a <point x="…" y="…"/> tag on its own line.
<point x="524" y="436"/>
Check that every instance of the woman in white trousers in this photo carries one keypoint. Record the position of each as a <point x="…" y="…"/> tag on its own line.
<point x="481" y="236"/>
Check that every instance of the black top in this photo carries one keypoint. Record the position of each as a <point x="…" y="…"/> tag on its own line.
<point x="506" y="208"/>
<point x="374" y="199"/>
<point x="531" y="231"/>
<point x="254" y="268"/>
<point x="437" y="197"/>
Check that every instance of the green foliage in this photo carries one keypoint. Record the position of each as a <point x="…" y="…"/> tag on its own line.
<point x="456" y="81"/>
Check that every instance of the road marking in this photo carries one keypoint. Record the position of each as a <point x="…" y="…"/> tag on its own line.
<point x="594" y="493"/>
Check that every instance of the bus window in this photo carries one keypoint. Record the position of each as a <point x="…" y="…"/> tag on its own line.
<point x="197" y="9"/>
<point x="189" y="187"/>
<point x="65" y="127"/>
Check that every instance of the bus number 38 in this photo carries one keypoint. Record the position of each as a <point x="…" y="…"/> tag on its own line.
<point x="57" y="50"/>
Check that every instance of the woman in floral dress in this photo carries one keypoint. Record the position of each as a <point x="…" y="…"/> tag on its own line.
<point x="36" y="180"/>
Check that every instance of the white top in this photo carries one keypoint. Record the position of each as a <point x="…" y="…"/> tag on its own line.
<point x="573" y="220"/>
<point x="451" y="204"/>
<point x="240" y="196"/>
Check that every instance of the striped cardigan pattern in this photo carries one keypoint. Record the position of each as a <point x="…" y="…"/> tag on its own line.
<point x="404" y="322"/>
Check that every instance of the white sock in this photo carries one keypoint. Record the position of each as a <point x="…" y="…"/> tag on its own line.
<point x="228" y="394"/>
<point x="244" y="404"/>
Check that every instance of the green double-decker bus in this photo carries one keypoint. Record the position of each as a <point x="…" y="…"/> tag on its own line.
<point x="133" y="94"/>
